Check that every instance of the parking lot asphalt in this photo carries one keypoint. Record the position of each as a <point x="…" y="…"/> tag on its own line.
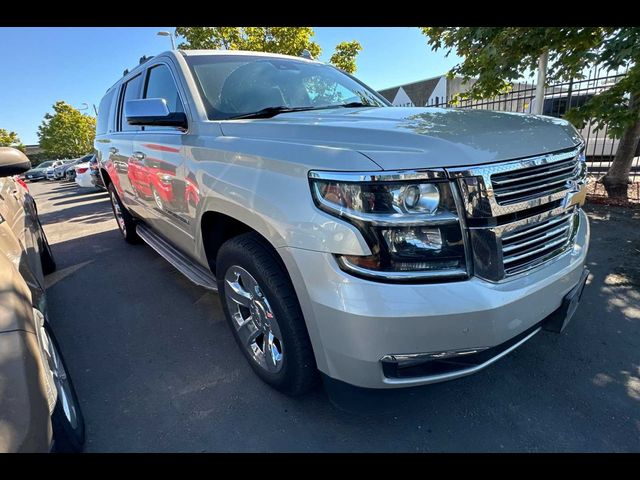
<point x="156" y="367"/>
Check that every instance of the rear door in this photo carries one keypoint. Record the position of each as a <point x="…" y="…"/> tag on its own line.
<point x="159" y="156"/>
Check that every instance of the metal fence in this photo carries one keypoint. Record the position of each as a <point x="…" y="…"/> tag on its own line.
<point x="558" y="99"/>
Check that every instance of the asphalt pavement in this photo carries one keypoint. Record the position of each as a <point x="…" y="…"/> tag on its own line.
<point x="157" y="370"/>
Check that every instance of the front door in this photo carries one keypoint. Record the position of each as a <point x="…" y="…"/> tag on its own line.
<point x="158" y="153"/>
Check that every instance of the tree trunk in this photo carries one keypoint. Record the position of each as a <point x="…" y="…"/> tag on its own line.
<point x="616" y="181"/>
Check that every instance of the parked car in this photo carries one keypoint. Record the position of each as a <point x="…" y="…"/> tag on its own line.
<point x="50" y="170"/>
<point x="83" y="175"/>
<point x="38" y="173"/>
<point x="59" y="171"/>
<point x="69" y="169"/>
<point x="39" y="408"/>
<point x="385" y="247"/>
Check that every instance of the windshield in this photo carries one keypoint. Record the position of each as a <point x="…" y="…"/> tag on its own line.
<point x="234" y="85"/>
<point x="45" y="164"/>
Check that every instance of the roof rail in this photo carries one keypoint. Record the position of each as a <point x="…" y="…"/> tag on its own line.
<point x="142" y="60"/>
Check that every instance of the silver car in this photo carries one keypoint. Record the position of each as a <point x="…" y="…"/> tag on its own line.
<point x="383" y="247"/>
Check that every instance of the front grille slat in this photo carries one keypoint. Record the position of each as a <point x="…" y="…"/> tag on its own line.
<point x="542" y="226"/>
<point x="519" y="185"/>
<point x="537" y="239"/>
<point x="548" y="179"/>
<point x="536" y="243"/>
<point x="539" y="185"/>
<point x="518" y="178"/>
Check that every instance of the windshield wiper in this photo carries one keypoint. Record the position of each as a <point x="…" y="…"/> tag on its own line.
<point x="355" y="105"/>
<point x="272" y="112"/>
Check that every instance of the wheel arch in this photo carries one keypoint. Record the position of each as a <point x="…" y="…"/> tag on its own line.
<point x="216" y="227"/>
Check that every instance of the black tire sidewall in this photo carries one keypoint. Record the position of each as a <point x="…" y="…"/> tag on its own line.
<point x="130" y="225"/>
<point x="262" y="267"/>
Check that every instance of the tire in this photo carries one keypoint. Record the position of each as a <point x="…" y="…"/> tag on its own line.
<point x="250" y="253"/>
<point x="46" y="255"/>
<point x="68" y="435"/>
<point x="126" y="222"/>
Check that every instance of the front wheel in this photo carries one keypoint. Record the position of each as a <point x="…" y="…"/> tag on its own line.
<point x="262" y="309"/>
<point x="126" y="223"/>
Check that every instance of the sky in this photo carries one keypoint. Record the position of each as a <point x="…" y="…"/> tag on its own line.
<point x="77" y="65"/>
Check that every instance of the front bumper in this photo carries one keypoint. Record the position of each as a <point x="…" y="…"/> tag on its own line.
<point x="354" y="323"/>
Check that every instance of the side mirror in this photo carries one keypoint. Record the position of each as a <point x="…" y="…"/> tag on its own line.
<point x="153" y="111"/>
<point x="13" y="162"/>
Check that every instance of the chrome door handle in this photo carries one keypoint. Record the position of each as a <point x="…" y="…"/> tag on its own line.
<point x="113" y="150"/>
<point x="138" y="155"/>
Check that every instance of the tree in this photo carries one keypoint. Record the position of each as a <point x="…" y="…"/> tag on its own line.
<point x="284" y="40"/>
<point x="345" y="56"/>
<point x="10" y="139"/>
<point x="499" y="55"/>
<point x="66" y="133"/>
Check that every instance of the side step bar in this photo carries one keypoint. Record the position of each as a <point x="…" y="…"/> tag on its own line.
<point x="181" y="262"/>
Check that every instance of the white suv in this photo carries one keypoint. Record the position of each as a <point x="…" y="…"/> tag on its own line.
<point x="384" y="247"/>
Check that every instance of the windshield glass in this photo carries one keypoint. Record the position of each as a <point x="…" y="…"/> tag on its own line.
<point x="233" y="85"/>
<point x="45" y="164"/>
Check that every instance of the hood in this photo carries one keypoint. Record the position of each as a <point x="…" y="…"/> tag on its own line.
<point x="405" y="138"/>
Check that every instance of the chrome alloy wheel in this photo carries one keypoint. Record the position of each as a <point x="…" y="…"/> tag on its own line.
<point x="253" y="319"/>
<point x="117" y="211"/>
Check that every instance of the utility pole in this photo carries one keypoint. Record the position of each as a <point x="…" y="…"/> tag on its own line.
<point x="542" y="78"/>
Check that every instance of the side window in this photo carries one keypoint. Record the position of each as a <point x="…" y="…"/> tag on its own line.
<point x="103" y="112"/>
<point x="160" y="84"/>
<point x="131" y="92"/>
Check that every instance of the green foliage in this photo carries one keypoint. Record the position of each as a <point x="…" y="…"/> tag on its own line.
<point x="500" y="55"/>
<point x="283" y="40"/>
<point x="66" y="133"/>
<point x="345" y="56"/>
<point x="10" y="139"/>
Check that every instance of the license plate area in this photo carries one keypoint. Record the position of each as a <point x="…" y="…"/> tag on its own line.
<point x="558" y="320"/>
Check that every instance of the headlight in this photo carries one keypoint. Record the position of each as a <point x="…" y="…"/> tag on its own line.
<point x="409" y="220"/>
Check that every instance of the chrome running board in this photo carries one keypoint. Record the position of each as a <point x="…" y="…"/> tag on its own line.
<point x="194" y="272"/>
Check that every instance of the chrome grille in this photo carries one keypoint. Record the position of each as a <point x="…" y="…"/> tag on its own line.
<point x="521" y="213"/>
<point x="523" y="184"/>
<point x="526" y="247"/>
